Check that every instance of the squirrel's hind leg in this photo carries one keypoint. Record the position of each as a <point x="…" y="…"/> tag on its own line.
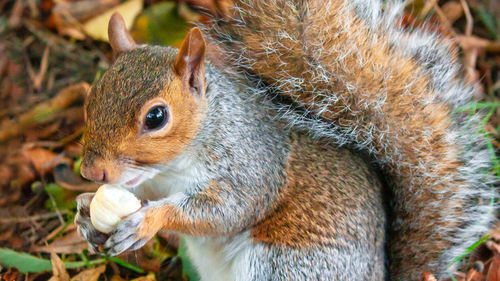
<point x="278" y="263"/>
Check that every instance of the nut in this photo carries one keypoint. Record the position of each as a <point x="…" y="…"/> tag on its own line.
<point x="111" y="204"/>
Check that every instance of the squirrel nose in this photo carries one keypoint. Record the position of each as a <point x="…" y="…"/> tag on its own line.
<point x="97" y="173"/>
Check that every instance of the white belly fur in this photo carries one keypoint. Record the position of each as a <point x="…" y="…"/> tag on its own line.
<point x="220" y="258"/>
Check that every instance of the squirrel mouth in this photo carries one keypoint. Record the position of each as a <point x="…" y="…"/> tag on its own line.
<point x="134" y="181"/>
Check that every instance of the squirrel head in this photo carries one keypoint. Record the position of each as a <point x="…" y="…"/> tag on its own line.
<point x="145" y="109"/>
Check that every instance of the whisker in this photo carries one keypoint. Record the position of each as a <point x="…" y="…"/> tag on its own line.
<point x="149" y="169"/>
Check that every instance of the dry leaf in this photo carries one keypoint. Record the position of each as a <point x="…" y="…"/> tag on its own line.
<point x="58" y="268"/>
<point x="44" y="112"/>
<point x="97" y="27"/>
<point x="7" y="234"/>
<point x="493" y="246"/>
<point x="54" y="232"/>
<point x="473" y="275"/>
<point x="494" y="269"/>
<point x="45" y="160"/>
<point x="67" y="16"/>
<point x="117" y="277"/>
<point x="150" y="277"/>
<point x="6" y="174"/>
<point x="70" y="243"/>
<point x="17" y="12"/>
<point x="427" y="276"/>
<point x="91" y="274"/>
<point x="65" y="177"/>
<point x="453" y="10"/>
<point x="10" y="275"/>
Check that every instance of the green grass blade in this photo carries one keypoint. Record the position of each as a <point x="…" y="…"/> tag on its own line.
<point x="125" y="264"/>
<point x="478" y="105"/>
<point x="28" y="263"/>
<point x="470" y="249"/>
<point x="489" y="21"/>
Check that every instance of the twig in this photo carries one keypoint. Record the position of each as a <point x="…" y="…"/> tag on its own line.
<point x="37" y="78"/>
<point x="468" y="17"/>
<point x="44" y="112"/>
<point x="474" y="42"/>
<point x="54" y="205"/>
<point x="429" y="4"/>
<point x="15" y="17"/>
<point x="32" y="218"/>
<point x="442" y="18"/>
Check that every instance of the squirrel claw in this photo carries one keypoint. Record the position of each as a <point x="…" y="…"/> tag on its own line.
<point x="84" y="226"/>
<point x="128" y="234"/>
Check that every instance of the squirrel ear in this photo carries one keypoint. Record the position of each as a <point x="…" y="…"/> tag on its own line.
<point x="119" y="37"/>
<point x="190" y="61"/>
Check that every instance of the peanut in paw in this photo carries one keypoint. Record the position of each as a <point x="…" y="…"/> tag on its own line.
<point x="110" y="205"/>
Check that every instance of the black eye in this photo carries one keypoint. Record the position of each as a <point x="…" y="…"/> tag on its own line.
<point x="156" y="118"/>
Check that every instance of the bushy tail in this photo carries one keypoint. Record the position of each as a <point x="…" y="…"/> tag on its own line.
<point x="359" y="79"/>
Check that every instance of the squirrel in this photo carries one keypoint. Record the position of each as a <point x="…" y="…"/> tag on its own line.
<point x="247" y="162"/>
<point x="254" y="199"/>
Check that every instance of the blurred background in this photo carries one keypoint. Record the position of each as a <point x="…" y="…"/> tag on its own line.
<point x="52" y="50"/>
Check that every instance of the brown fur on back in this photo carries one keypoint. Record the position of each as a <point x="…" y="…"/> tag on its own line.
<point x="332" y="198"/>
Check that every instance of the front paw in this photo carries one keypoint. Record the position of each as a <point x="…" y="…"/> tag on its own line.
<point x="134" y="231"/>
<point x="94" y="237"/>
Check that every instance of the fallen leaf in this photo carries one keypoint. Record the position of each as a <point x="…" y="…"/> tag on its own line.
<point x="43" y="132"/>
<point x="44" y="112"/>
<point x="83" y="9"/>
<point x="204" y="5"/>
<point x="67" y="16"/>
<point x="58" y="269"/>
<point x="453" y="10"/>
<point x="427" y="276"/>
<point x="493" y="246"/>
<point x="150" y="277"/>
<point x="6" y="174"/>
<point x="16" y="15"/>
<point x="494" y="269"/>
<point x="54" y="232"/>
<point x="97" y="27"/>
<point x="10" y="275"/>
<point x="91" y="274"/>
<point x="7" y="234"/>
<point x="70" y="243"/>
<point x="161" y="24"/>
<point x="73" y="149"/>
<point x="45" y="160"/>
<point x="65" y="177"/>
<point x="117" y="277"/>
<point x="473" y="275"/>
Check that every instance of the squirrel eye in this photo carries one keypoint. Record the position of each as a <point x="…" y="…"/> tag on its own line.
<point x="156" y="118"/>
